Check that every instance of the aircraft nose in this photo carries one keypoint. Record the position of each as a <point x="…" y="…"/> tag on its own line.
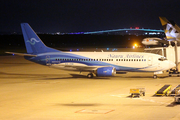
<point x="143" y="42"/>
<point x="171" y="64"/>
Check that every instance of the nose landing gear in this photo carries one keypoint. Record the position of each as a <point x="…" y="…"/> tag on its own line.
<point x="155" y="76"/>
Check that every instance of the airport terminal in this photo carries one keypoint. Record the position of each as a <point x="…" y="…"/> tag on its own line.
<point x="89" y="87"/>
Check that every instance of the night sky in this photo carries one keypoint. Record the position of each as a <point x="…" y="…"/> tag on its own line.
<point x="85" y="15"/>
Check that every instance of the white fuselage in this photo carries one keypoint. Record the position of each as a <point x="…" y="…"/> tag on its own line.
<point x="150" y="41"/>
<point x="122" y="61"/>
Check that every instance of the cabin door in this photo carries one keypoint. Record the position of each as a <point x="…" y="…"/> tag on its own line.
<point x="48" y="62"/>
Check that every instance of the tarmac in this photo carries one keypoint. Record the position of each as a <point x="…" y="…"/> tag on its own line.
<point x="30" y="91"/>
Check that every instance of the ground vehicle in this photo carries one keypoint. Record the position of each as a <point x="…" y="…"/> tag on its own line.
<point x="137" y="92"/>
<point x="177" y="98"/>
<point x="164" y="90"/>
<point x="177" y="95"/>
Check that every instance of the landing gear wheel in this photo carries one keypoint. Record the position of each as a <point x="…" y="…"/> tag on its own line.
<point x="155" y="76"/>
<point x="90" y="75"/>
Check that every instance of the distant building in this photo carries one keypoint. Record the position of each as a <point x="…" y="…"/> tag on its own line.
<point x="129" y="31"/>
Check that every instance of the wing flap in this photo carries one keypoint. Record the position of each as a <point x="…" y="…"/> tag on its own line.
<point x="75" y="67"/>
<point x="21" y="54"/>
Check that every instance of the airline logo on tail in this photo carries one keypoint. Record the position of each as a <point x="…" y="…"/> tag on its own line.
<point x="170" y="28"/>
<point x="32" y="41"/>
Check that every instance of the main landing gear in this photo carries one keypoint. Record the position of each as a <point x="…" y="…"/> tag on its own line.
<point x="90" y="75"/>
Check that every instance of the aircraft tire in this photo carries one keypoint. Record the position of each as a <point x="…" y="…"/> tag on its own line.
<point x="90" y="75"/>
<point x="155" y="76"/>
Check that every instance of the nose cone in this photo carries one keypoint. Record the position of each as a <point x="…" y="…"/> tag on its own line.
<point x="144" y="42"/>
<point x="171" y="64"/>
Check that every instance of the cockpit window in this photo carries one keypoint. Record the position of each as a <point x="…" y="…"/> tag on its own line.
<point x="162" y="59"/>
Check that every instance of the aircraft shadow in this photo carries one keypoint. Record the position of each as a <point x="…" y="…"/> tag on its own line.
<point x="45" y="76"/>
<point x="59" y="76"/>
<point x="76" y="76"/>
<point x="144" y="77"/>
<point x="80" y="104"/>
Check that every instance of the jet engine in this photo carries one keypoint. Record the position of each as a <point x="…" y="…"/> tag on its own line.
<point x="105" y="71"/>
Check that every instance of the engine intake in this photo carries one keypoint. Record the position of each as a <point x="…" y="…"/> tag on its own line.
<point x="106" y="71"/>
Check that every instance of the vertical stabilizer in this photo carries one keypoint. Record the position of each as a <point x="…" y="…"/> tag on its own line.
<point x="171" y="29"/>
<point x="33" y="43"/>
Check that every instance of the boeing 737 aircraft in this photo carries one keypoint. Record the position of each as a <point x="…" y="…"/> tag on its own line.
<point x="97" y="63"/>
<point x="172" y="32"/>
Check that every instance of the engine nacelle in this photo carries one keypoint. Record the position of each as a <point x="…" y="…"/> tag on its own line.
<point x="106" y="71"/>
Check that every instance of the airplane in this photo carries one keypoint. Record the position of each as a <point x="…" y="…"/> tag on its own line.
<point x="172" y="32"/>
<point x="154" y="41"/>
<point x="99" y="64"/>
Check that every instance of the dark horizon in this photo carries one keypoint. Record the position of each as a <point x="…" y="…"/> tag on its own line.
<point x="85" y="15"/>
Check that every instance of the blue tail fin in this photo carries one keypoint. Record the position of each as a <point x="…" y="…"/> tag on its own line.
<point x="33" y="43"/>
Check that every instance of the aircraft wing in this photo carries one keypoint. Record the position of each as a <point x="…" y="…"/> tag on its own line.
<point x="21" y="54"/>
<point x="76" y="67"/>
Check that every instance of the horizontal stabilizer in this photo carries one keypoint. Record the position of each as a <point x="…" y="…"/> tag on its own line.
<point x="21" y="54"/>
